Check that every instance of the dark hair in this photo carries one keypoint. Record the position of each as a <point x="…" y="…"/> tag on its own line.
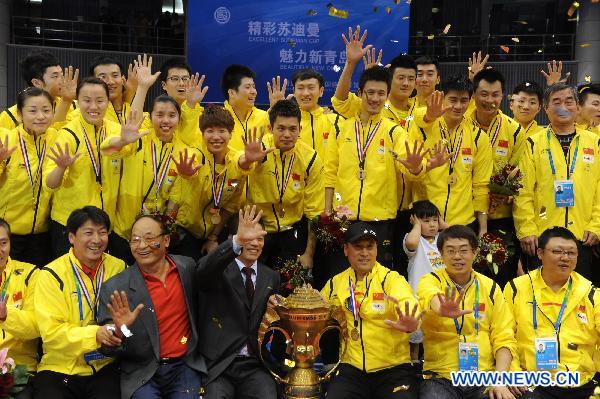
<point x="79" y="217"/>
<point x="555" y="232"/>
<point x="4" y="223"/>
<point x="160" y="219"/>
<point x="490" y="75"/>
<point x="171" y="63"/>
<point x="424" y="209"/>
<point x="376" y="74"/>
<point x="529" y="87"/>
<point x="104" y="60"/>
<point x="31" y="92"/>
<point x="305" y="74"/>
<point x="232" y="78"/>
<point x="216" y="116"/>
<point x="92" y="80"/>
<point x="457" y="83"/>
<point x="458" y="231"/>
<point x="403" y="61"/>
<point x="168" y="100"/>
<point x="587" y="89"/>
<point x="35" y="64"/>
<point x="427" y="60"/>
<point x="555" y="88"/>
<point x="285" y="108"/>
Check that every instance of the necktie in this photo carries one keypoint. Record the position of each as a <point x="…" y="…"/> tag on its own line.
<point x="248" y="271"/>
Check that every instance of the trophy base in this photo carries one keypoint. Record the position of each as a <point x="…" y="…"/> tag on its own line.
<point x="302" y="384"/>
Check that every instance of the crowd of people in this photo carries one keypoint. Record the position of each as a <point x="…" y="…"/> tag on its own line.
<point x="141" y="249"/>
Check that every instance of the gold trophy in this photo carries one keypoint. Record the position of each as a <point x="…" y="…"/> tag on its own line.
<point x="303" y="317"/>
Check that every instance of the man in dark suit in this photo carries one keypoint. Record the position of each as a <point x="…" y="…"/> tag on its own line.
<point x="158" y="355"/>
<point x="236" y="290"/>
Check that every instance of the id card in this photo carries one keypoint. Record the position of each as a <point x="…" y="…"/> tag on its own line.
<point x="546" y="353"/>
<point x="468" y="356"/>
<point x="564" y="195"/>
<point x="93" y="355"/>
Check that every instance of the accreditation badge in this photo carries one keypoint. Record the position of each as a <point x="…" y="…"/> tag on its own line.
<point x="564" y="195"/>
<point x="378" y="303"/>
<point x="92" y="356"/>
<point x="468" y="356"/>
<point x="546" y="353"/>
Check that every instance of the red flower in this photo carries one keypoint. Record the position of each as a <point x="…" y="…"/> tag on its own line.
<point x="6" y="384"/>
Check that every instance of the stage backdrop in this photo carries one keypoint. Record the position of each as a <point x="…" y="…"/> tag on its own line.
<point x="280" y="37"/>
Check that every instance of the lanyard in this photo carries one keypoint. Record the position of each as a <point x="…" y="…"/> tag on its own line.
<point x="160" y="166"/>
<point x="476" y="313"/>
<point x="80" y="285"/>
<point x="217" y="192"/>
<point x="360" y="147"/>
<point x="560" y="312"/>
<point x="455" y="149"/>
<point x="244" y="127"/>
<point x="32" y="179"/>
<point x="284" y="179"/>
<point x="4" y="287"/>
<point x="96" y="162"/>
<point x="551" y="159"/>
<point x="355" y="308"/>
<point x="497" y="131"/>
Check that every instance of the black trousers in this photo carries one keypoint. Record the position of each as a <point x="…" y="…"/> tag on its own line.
<point x="59" y="237"/>
<point x="399" y="382"/>
<point x="245" y="378"/>
<point x="104" y="384"/>
<point x="31" y="248"/>
<point x="119" y="248"/>
<point x="402" y="227"/>
<point x="285" y="245"/>
<point x="582" y="392"/>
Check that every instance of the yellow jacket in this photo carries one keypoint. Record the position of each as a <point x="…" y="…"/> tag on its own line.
<point x="534" y="208"/>
<point x="257" y="118"/>
<point x="440" y="340"/>
<point x="379" y="347"/>
<point x="66" y="335"/>
<point x="138" y="186"/>
<point x="580" y="324"/>
<point x="195" y="193"/>
<point x="594" y="129"/>
<point x="457" y="203"/>
<point x="188" y="130"/>
<point x="79" y="186"/>
<point x="9" y="118"/>
<point x="24" y="206"/>
<point x="304" y="194"/>
<point x="318" y="129"/>
<point x="19" y="330"/>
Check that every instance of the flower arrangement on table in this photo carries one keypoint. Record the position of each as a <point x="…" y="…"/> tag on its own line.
<point x="504" y="185"/>
<point x="329" y="227"/>
<point x="13" y="378"/>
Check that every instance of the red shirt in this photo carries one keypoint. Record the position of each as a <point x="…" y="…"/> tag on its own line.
<point x="171" y="312"/>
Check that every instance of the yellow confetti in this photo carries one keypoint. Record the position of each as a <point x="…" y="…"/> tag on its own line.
<point x="447" y="29"/>
<point x="405" y="17"/>
<point x="515" y="39"/>
<point x="573" y="8"/>
<point x="430" y="37"/>
<point x="588" y="78"/>
<point x="396" y="1"/>
<point x="311" y="13"/>
<point x="183" y="340"/>
<point x="522" y="22"/>
<point x="388" y="9"/>
<point x="334" y="12"/>
<point x="506" y="49"/>
<point x="584" y="45"/>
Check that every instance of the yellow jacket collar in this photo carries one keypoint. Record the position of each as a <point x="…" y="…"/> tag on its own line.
<point x="316" y="112"/>
<point x="229" y="108"/>
<point x="76" y="261"/>
<point x="89" y="128"/>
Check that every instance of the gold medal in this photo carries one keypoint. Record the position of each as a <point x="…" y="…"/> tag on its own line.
<point x="215" y="219"/>
<point x="361" y="174"/>
<point x="451" y="180"/>
<point x="354" y="334"/>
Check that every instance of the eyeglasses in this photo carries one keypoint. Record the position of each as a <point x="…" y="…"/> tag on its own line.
<point x="461" y="252"/>
<point x="561" y="252"/>
<point x="149" y="240"/>
<point x="177" y="79"/>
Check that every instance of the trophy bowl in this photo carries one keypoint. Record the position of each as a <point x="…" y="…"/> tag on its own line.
<point x="303" y="317"/>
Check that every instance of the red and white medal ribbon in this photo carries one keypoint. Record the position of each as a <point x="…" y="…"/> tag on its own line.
<point x="32" y="179"/>
<point x="159" y="166"/>
<point x="454" y="150"/>
<point x="362" y="149"/>
<point x="217" y="192"/>
<point x="288" y="174"/>
<point x="95" y="161"/>
<point x="497" y="131"/>
<point x="99" y="280"/>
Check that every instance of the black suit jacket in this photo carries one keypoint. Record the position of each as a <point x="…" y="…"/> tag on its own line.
<point x="140" y="354"/>
<point x="227" y="320"/>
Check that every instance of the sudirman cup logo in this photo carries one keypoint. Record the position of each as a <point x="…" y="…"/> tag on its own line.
<point x="222" y="15"/>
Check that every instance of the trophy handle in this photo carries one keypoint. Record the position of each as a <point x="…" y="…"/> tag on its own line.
<point x="260" y="341"/>
<point x="327" y="376"/>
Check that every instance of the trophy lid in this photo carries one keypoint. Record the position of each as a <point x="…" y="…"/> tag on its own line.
<point x="305" y="297"/>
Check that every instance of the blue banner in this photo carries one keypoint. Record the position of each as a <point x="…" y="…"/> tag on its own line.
<point x="280" y="37"/>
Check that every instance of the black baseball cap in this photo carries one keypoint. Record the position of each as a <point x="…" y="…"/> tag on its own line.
<point x="359" y="230"/>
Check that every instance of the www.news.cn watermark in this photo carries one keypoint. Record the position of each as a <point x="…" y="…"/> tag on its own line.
<point x="515" y="378"/>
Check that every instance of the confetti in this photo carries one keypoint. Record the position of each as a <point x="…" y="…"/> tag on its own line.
<point x="408" y="1"/>
<point x="584" y="45"/>
<point x="573" y="8"/>
<point x="515" y="39"/>
<point x="506" y="49"/>
<point x="571" y="223"/>
<point x="334" y="12"/>
<point x="396" y="1"/>
<point x="540" y="51"/>
<point x="435" y="10"/>
<point x="521" y="22"/>
<point x="311" y="13"/>
<point x="338" y="197"/>
<point x="375" y="9"/>
<point x="388" y="9"/>
<point x="336" y="68"/>
<point x="576" y="19"/>
<point x="394" y="41"/>
<point x="405" y="17"/>
<point x="588" y="78"/>
<point x="527" y="84"/>
<point x="430" y="37"/>
<point x="447" y="29"/>
<point x="291" y="43"/>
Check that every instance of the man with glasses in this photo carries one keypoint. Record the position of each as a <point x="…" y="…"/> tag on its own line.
<point x="557" y="309"/>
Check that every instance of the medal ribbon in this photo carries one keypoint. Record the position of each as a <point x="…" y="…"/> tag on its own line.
<point x="455" y="149"/>
<point x="95" y="162"/>
<point x="560" y="312"/>
<point x="82" y="287"/>
<point x="217" y="193"/>
<point x="288" y="174"/>
<point x="159" y="168"/>
<point x="476" y="312"/>
<point x="32" y="180"/>
<point x="362" y="149"/>
<point x="551" y="159"/>
<point x="497" y="131"/>
<point x="5" y="286"/>
<point x="355" y="308"/>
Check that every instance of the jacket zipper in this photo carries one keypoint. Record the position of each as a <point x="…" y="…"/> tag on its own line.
<point x="312" y="128"/>
<point x="447" y="200"/>
<point x="362" y="345"/>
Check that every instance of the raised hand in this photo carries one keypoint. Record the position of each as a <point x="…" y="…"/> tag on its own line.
<point x="62" y="158"/>
<point x="120" y="312"/>
<point x="277" y="92"/>
<point x="130" y="130"/>
<point x="132" y="80"/>
<point x="143" y="66"/>
<point x="246" y="231"/>
<point x="185" y="165"/>
<point x="69" y="84"/>
<point x="476" y="64"/>
<point x="194" y="92"/>
<point x="369" y="58"/>
<point x="354" y="45"/>
<point x="253" y="149"/>
<point x="415" y="221"/>
<point x="105" y="337"/>
<point x="413" y="159"/>
<point x="439" y="156"/>
<point x="450" y="303"/>
<point x="554" y="74"/>
<point x="408" y="321"/>
<point x="435" y="106"/>
<point x="5" y="150"/>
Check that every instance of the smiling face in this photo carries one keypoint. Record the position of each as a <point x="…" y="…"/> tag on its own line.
<point x="148" y="243"/>
<point x="285" y="131"/>
<point x="525" y="107"/>
<point x="114" y="79"/>
<point x="252" y="250"/>
<point x="458" y="256"/>
<point x="93" y="103"/>
<point x="36" y="115"/>
<point x="245" y="95"/>
<point x="488" y="97"/>
<point x="165" y="119"/>
<point x="4" y="246"/>
<point x="373" y="96"/>
<point x="590" y="110"/>
<point x="216" y="139"/>
<point x="175" y="82"/>
<point x="403" y="82"/>
<point x="427" y="79"/>
<point x="562" y="107"/>
<point x="362" y="254"/>
<point x="89" y="243"/>
<point x="51" y="81"/>
<point x="307" y="93"/>
<point x="458" y="101"/>
<point x="559" y="258"/>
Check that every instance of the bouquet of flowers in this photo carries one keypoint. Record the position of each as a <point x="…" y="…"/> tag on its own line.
<point x="293" y="274"/>
<point x="504" y="184"/>
<point x="494" y="252"/>
<point x="13" y="378"/>
<point x="329" y="227"/>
